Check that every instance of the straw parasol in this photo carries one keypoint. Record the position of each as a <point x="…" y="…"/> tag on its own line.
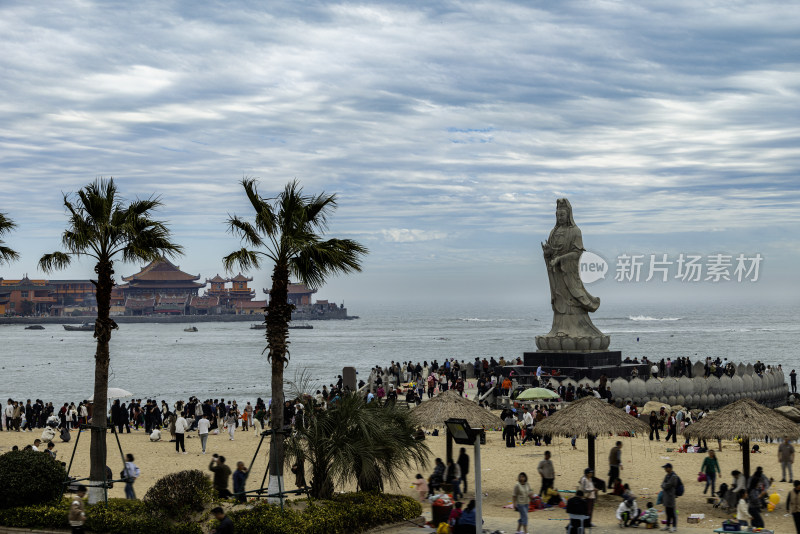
<point x="449" y="404"/>
<point x="589" y="417"/>
<point x="537" y="394"/>
<point x="745" y="419"/>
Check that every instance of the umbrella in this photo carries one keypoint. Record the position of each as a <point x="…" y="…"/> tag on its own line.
<point x="449" y="404"/>
<point x="745" y="419"/>
<point x="115" y="393"/>
<point x="537" y="394"/>
<point x="590" y="417"/>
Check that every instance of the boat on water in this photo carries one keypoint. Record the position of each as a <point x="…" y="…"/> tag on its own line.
<point x="34" y="327"/>
<point x="298" y="326"/>
<point x="85" y="327"/>
<point x="190" y="329"/>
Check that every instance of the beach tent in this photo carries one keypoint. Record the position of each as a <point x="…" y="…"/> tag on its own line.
<point x="590" y="417"/>
<point x="432" y="413"/>
<point x="745" y="419"/>
<point x="537" y="394"/>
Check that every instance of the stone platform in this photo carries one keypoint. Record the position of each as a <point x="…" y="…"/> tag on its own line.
<point x="576" y="365"/>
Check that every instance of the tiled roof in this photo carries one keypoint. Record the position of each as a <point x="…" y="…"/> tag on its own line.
<point x="252" y="304"/>
<point x="204" y="302"/>
<point x="161" y="270"/>
<point x="217" y="280"/>
<point x="240" y="278"/>
<point x="136" y="304"/>
<point x="297" y="289"/>
<point x="165" y="300"/>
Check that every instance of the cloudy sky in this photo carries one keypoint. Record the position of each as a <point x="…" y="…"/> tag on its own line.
<point x="447" y="129"/>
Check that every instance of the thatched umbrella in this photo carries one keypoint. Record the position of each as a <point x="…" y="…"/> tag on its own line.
<point x="745" y="419"/>
<point x="589" y="417"/>
<point x="450" y="405"/>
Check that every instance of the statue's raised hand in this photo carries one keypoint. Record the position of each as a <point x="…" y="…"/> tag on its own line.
<point x="546" y="249"/>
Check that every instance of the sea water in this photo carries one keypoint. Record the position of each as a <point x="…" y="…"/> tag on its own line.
<point x="228" y="360"/>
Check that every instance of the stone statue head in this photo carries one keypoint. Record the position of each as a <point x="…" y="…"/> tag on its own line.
<point x="564" y="213"/>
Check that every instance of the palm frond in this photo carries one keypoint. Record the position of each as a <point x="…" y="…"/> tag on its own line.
<point x="245" y="231"/>
<point x="244" y="259"/>
<point x="266" y="222"/>
<point x="318" y="261"/>
<point x="318" y="208"/>
<point x="54" y="261"/>
<point x="6" y="224"/>
<point x="7" y="254"/>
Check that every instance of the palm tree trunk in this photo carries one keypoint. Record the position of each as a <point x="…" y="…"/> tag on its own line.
<point x="102" y="332"/>
<point x="279" y="313"/>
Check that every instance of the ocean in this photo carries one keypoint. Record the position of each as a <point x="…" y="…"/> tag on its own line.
<point x="226" y="360"/>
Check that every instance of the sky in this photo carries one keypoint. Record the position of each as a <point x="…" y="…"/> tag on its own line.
<point x="446" y="129"/>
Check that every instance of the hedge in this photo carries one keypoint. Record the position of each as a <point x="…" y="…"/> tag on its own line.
<point x="345" y="514"/>
<point x="121" y="515"/>
<point x="29" y="477"/>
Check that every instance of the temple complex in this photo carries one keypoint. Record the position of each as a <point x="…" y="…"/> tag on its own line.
<point x="158" y="289"/>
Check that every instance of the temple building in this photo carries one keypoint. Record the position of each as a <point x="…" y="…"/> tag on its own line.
<point x="299" y="294"/>
<point x="25" y="297"/>
<point x="160" y="278"/>
<point x="234" y="296"/>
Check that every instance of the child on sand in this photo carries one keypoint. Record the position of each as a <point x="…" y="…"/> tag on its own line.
<point x="421" y="486"/>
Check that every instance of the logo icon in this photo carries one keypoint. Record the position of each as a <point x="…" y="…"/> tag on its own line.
<point x="592" y="267"/>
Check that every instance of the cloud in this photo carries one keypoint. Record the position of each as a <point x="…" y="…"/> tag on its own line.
<point x="406" y="235"/>
<point x="436" y="124"/>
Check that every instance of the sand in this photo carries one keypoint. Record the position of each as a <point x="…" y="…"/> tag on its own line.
<point x="641" y="469"/>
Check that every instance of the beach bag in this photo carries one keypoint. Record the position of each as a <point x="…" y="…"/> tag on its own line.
<point x="701" y="477"/>
<point x="660" y="499"/>
<point x="679" y="489"/>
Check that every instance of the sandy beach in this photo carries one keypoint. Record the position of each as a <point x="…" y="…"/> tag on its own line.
<point x="641" y="469"/>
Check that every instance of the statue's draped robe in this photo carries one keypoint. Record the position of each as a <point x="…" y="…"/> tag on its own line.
<point x="570" y="301"/>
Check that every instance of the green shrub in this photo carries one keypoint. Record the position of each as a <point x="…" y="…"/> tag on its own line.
<point x="29" y="477"/>
<point x="179" y="494"/>
<point x="120" y="515"/>
<point x="352" y="512"/>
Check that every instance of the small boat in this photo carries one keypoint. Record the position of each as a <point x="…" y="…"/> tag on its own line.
<point x="85" y="327"/>
<point x="190" y="329"/>
<point x="34" y="327"/>
<point x="301" y="326"/>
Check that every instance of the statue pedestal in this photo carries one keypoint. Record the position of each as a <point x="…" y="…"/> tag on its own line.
<point x="577" y="365"/>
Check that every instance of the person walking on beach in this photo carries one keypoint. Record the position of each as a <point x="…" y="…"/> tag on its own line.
<point x="672" y="428"/>
<point x="654" y="425"/>
<point x="548" y="473"/>
<point x="463" y="464"/>
<point x="221" y="475"/>
<point x="239" y="479"/>
<point x="230" y="422"/>
<point x="669" y="490"/>
<point x="130" y="474"/>
<point x="202" y="431"/>
<point x="711" y="468"/>
<point x="453" y="477"/>
<point x="614" y="463"/>
<point x="181" y="426"/>
<point x="786" y="458"/>
<point x="793" y="505"/>
<point x="586" y="486"/>
<point x="521" y="498"/>
<point x="793" y="381"/>
<point x="77" y="513"/>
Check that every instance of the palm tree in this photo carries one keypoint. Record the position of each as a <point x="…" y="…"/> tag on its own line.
<point x="103" y="227"/>
<point x="7" y="255"/>
<point x="356" y="442"/>
<point x="287" y="232"/>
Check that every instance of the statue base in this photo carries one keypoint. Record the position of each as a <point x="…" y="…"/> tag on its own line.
<point x="564" y="343"/>
<point x="576" y="365"/>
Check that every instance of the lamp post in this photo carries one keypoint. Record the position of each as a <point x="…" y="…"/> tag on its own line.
<point x="463" y="434"/>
